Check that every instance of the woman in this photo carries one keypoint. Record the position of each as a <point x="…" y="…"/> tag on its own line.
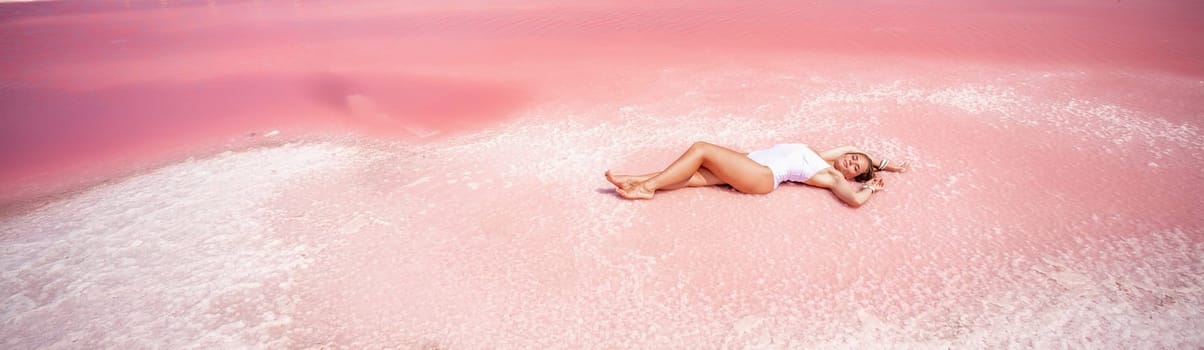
<point x="760" y="172"/>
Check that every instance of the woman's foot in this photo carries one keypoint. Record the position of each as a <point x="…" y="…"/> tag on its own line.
<point x="636" y="191"/>
<point x="622" y="182"/>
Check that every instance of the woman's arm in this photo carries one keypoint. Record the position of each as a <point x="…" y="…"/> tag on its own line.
<point x="843" y="189"/>
<point x="832" y="154"/>
<point x="891" y="167"/>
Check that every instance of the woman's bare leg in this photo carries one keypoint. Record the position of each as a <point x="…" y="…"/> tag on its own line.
<point x="702" y="178"/>
<point x="626" y="181"/>
<point x="733" y="168"/>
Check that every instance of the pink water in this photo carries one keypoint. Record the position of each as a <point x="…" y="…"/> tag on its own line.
<point x="355" y="174"/>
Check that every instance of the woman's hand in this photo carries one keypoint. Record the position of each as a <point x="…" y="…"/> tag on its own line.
<point x="876" y="183"/>
<point x="902" y="167"/>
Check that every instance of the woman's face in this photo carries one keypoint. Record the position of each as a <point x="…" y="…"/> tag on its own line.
<point x="851" y="164"/>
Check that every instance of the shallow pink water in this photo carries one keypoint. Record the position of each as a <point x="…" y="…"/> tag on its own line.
<point x="370" y="175"/>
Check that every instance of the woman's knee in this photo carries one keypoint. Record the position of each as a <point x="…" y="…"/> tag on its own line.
<point x="701" y="146"/>
<point x="697" y="148"/>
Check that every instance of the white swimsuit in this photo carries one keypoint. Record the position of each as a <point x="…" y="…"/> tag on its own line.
<point x="790" y="162"/>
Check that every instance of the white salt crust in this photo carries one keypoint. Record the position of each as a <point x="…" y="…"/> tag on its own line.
<point x="180" y="257"/>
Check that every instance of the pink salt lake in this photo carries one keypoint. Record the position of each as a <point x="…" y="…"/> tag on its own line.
<point x="356" y="174"/>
